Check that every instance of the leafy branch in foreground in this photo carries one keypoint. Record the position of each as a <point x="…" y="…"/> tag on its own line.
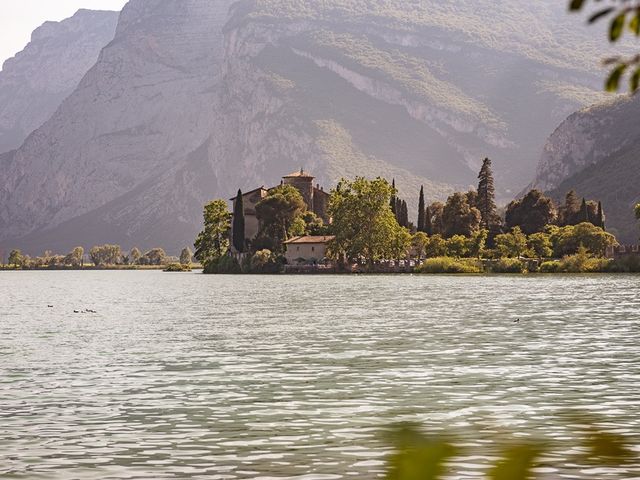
<point x="622" y="14"/>
<point x="420" y="457"/>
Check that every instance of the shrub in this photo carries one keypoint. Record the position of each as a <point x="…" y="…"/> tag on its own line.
<point x="450" y="265"/>
<point x="550" y="267"/>
<point x="177" y="267"/>
<point x="508" y="265"/>
<point x="224" y="265"/>
<point x="265" y="261"/>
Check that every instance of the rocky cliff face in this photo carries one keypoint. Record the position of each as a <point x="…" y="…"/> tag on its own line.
<point x="595" y="152"/>
<point x="195" y="98"/>
<point x="36" y="80"/>
<point x="586" y="138"/>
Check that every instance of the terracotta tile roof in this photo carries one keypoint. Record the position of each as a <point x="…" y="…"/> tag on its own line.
<point x="310" y="239"/>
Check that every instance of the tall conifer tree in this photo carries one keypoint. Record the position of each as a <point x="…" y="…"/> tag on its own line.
<point x="428" y="226"/>
<point x="600" y="219"/>
<point x="421" y="225"/>
<point x="238" y="223"/>
<point x="571" y="209"/>
<point x="394" y="203"/>
<point x="486" y="202"/>
<point x="404" y="217"/>
<point x="584" y="212"/>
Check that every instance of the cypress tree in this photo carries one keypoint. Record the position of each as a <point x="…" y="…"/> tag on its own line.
<point x="238" y="223"/>
<point x="421" y="226"/>
<point x="428" y="226"/>
<point x="584" y="212"/>
<point x="600" y="219"/>
<point x="405" y="214"/>
<point x="571" y="209"/>
<point x="486" y="196"/>
<point x="393" y="201"/>
<point x="399" y="210"/>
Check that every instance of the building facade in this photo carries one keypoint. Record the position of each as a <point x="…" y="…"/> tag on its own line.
<point x="315" y="198"/>
<point x="307" y="249"/>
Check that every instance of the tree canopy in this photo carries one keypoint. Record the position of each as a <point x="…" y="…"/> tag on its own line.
<point x="213" y="241"/>
<point x="363" y="223"/>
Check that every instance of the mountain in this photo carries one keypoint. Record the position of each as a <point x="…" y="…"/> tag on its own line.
<point x="595" y="152"/>
<point x="195" y="98"/>
<point x="36" y="80"/>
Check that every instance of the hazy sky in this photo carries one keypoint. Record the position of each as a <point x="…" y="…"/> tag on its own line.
<point x="18" y="18"/>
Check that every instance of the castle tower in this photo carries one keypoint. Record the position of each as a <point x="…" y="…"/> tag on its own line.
<point x="303" y="182"/>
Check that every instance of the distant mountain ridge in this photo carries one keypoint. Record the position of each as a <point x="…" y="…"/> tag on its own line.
<point x="195" y="98"/>
<point x="34" y="82"/>
<point x="596" y="151"/>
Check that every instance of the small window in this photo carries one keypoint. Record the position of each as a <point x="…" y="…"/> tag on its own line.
<point x="297" y="249"/>
<point x="313" y="249"/>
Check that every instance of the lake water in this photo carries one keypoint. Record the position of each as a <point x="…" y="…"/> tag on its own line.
<point x="187" y="376"/>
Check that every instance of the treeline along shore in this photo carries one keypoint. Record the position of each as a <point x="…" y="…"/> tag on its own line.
<point x="363" y="226"/>
<point x="366" y="228"/>
<point x="102" y="257"/>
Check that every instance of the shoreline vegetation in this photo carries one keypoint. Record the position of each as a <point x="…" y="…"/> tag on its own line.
<point x="369" y="231"/>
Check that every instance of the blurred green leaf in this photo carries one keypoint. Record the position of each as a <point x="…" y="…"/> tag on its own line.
<point x="576" y="5"/>
<point x="418" y="457"/>
<point x="607" y="448"/>
<point x="517" y="463"/>
<point x="617" y="26"/>
<point x="634" y="24"/>
<point x="634" y="81"/>
<point x="602" y="13"/>
<point x="613" y="82"/>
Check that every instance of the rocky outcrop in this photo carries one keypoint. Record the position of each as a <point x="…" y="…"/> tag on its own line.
<point x="586" y="138"/>
<point x="195" y="98"/>
<point x="595" y="152"/>
<point x="36" y="80"/>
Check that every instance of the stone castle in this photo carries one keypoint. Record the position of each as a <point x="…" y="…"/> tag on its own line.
<point x="314" y="196"/>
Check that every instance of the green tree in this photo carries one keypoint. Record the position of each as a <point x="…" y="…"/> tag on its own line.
<point x="512" y="244"/>
<point x="569" y="212"/>
<point x="314" y="225"/>
<point x="213" y="241"/>
<point x="16" y="258"/>
<point x="134" y="256"/>
<point x="277" y="213"/>
<point x="437" y="220"/>
<point x="363" y="223"/>
<point x="457" y="246"/>
<point x="103" y="255"/>
<point x="155" y="256"/>
<point x="186" y="256"/>
<point x="532" y="213"/>
<point x="75" y="257"/>
<point x="428" y="223"/>
<point x="622" y="14"/>
<point x="459" y="218"/>
<point x="419" y="243"/>
<point x="584" y="212"/>
<point x="437" y="246"/>
<point x="600" y="217"/>
<point x="567" y="240"/>
<point x="238" y="223"/>
<point x="540" y="245"/>
<point x="477" y="242"/>
<point x="486" y="201"/>
<point x="421" y="211"/>
<point x="400" y="244"/>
